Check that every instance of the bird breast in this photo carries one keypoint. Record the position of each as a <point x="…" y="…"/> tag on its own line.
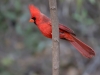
<point x="46" y="29"/>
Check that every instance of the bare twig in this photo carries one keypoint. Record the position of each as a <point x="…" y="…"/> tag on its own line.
<point x="55" y="37"/>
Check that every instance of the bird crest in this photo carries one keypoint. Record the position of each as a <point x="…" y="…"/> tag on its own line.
<point x="34" y="11"/>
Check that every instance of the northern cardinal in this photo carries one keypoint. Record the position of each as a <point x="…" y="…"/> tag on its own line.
<point x="44" y="25"/>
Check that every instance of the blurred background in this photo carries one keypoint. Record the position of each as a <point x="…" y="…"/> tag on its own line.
<point x="25" y="51"/>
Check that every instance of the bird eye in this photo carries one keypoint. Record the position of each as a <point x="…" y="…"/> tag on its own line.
<point x="34" y="18"/>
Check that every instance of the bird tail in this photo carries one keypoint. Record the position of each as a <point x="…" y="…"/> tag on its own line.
<point x="84" y="49"/>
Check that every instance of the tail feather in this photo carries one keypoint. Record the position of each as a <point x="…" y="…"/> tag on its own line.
<point x="83" y="48"/>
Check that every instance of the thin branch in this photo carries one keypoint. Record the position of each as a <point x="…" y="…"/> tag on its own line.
<point x="55" y="37"/>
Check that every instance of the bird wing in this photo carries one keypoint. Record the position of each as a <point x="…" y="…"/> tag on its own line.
<point x="61" y="26"/>
<point x="66" y="29"/>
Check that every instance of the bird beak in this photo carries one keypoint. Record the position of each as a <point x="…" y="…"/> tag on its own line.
<point x="31" y="20"/>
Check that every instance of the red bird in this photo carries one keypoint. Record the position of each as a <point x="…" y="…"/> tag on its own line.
<point x="44" y="24"/>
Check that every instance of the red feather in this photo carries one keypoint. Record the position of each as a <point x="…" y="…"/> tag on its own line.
<point x="44" y="25"/>
<point x="84" y="49"/>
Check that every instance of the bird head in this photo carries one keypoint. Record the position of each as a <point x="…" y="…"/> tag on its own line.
<point x="35" y="13"/>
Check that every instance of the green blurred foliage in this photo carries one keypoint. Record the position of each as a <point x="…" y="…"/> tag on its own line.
<point x="81" y="14"/>
<point x="14" y="23"/>
<point x="7" y="61"/>
<point x="5" y="73"/>
<point x="92" y="1"/>
<point x="28" y="32"/>
<point x="13" y="17"/>
<point x="79" y="5"/>
<point x="83" y="18"/>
